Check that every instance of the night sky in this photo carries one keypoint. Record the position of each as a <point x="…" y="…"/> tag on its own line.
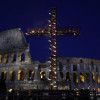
<point x="70" y="13"/>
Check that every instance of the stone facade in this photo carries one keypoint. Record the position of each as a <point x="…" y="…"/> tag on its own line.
<point x="21" y="73"/>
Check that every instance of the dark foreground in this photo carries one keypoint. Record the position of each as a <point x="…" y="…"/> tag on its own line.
<point x="50" y="95"/>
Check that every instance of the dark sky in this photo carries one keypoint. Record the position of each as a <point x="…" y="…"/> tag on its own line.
<point x="70" y="13"/>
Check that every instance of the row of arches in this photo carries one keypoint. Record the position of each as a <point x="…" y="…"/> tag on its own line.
<point x="12" y="57"/>
<point x="82" y="76"/>
<point x="86" y="76"/>
<point x="12" y="75"/>
<point x="21" y="75"/>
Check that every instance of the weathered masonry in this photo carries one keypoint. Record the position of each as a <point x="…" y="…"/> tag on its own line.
<point x="21" y="73"/>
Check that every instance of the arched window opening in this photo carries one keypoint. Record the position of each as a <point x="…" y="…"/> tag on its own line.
<point x="87" y="77"/>
<point x="67" y="60"/>
<point x="74" y="67"/>
<point x="43" y="75"/>
<point x="22" y="57"/>
<point x="0" y="58"/>
<point x="3" y="75"/>
<point x="81" y="61"/>
<point x="62" y="75"/>
<point x="99" y="90"/>
<point x="97" y="69"/>
<point x="92" y="65"/>
<point x="75" y="77"/>
<point x="13" y="57"/>
<point x="98" y="78"/>
<point x="82" y="77"/>
<point x="68" y="76"/>
<point x="93" y="77"/>
<point x="12" y="75"/>
<point x="31" y="75"/>
<point x="5" y="58"/>
<point x="20" y="75"/>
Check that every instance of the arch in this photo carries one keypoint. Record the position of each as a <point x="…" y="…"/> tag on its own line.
<point x="98" y="78"/>
<point x="3" y="75"/>
<point x="93" y="76"/>
<point x="5" y="58"/>
<point x="13" y="57"/>
<point x="62" y="75"/>
<point x="98" y="89"/>
<point x="20" y="75"/>
<point x="43" y="75"/>
<point x="92" y="63"/>
<point x="97" y="69"/>
<point x="81" y="61"/>
<point x="0" y="58"/>
<point x="31" y="75"/>
<point x="68" y="60"/>
<point x="75" y="77"/>
<point x="87" y="77"/>
<point x="74" y="67"/>
<point x="81" y="77"/>
<point x="68" y="76"/>
<point x="12" y="75"/>
<point x="21" y="57"/>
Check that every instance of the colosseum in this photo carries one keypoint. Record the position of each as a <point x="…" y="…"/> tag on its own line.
<point x="21" y="73"/>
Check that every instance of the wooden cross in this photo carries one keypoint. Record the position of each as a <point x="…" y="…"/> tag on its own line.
<point x="53" y="32"/>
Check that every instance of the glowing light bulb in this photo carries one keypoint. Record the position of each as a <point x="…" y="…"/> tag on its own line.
<point x="54" y="50"/>
<point x="49" y="21"/>
<point x="33" y="31"/>
<point x="42" y="31"/>
<point x="49" y="40"/>
<point x="55" y="86"/>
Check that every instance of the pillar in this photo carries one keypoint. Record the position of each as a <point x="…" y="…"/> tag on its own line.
<point x="58" y="73"/>
<point x="37" y="73"/>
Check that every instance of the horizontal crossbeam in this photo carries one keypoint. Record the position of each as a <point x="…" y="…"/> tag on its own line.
<point x="45" y="32"/>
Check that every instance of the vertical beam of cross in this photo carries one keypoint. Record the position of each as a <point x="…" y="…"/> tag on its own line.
<point x="53" y="47"/>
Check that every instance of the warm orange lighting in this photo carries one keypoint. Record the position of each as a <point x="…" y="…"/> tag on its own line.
<point x="10" y="90"/>
<point x="82" y="77"/>
<point x="93" y="75"/>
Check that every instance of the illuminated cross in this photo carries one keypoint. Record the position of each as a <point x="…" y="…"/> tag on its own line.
<point x="53" y="32"/>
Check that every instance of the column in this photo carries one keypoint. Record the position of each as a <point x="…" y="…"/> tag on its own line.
<point x="17" y="57"/>
<point x="37" y="73"/>
<point x="26" y="74"/>
<point x="9" y="58"/>
<point x="59" y="76"/>
<point x="27" y="57"/>
<point x="90" y="77"/>
<point x="72" y="83"/>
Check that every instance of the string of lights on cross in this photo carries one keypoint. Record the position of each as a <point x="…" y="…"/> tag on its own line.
<point x="53" y="31"/>
<point x="67" y="31"/>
